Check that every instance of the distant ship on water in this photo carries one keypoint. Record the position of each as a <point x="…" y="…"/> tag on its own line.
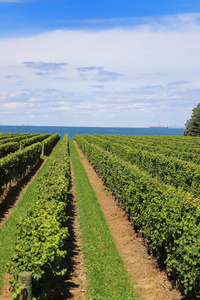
<point x="158" y="126"/>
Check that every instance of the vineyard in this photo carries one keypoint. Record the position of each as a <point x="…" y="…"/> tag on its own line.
<point x="160" y="192"/>
<point x="20" y="152"/>
<point x="154" y="179"/>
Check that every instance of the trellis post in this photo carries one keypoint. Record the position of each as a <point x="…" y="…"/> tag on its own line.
<point x="25" y="279"/>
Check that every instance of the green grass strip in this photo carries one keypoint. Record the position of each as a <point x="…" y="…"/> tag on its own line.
<point x="106" y="276"/>
<point x="8" y="230"/>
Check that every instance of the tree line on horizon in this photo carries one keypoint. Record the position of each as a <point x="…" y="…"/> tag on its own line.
<point x="193" y="124"/>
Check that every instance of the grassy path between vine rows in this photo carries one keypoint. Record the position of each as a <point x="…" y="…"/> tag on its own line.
<point x="149" y="281"/>
<point x="106" y="276"/>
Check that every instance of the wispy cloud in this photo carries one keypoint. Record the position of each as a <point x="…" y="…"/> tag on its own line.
<point x="20" y="1"/>
<point x="156" y="23"/>
<point x="17" y="105"/>
<point x="175" y="83"/>
<point x="98" y="74"/>
<point x="97" y="86"/>
<point x="62" y="78"/>
<point x="152" y="87"/>
<point x="107" y="76"/>
<point x="41" y="73"/>
<point x="45" y="66"/>
<point x="17" y="1"/>
<point x="10" y="76"/>
<point x="88" y="69"/>
<point x="106" y="20"/>
<point x="151" y="76"/>
<point x="9" y="1"/>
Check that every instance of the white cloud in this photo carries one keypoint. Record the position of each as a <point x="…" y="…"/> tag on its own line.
<point x="61" y="108"/>
<point x="107" y="76"/>
<point x="97" y="86"/>
<point x="17" y="105"/>
<point x="178" y="83"/>
<point x="159" y="61"/>
<point x="45" y="66"/>
<point x="88" y="69"/>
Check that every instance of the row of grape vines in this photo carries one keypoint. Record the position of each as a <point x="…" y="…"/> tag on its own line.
<point x="20" y="141"/>
<point x="16" y="160"/>
<point x="42" y="232"/>
<point x="160" y="193"/>
<point x="15" y="137"/>
<point x="171" y="169"/>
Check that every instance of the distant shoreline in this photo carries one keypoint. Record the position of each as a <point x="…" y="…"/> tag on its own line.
<point x="71" y="130"/>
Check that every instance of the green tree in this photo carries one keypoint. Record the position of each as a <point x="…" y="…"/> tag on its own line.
<point x="193" y="125"/>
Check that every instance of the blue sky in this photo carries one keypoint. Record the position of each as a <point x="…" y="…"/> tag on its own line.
<point x="122" y="63"/>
